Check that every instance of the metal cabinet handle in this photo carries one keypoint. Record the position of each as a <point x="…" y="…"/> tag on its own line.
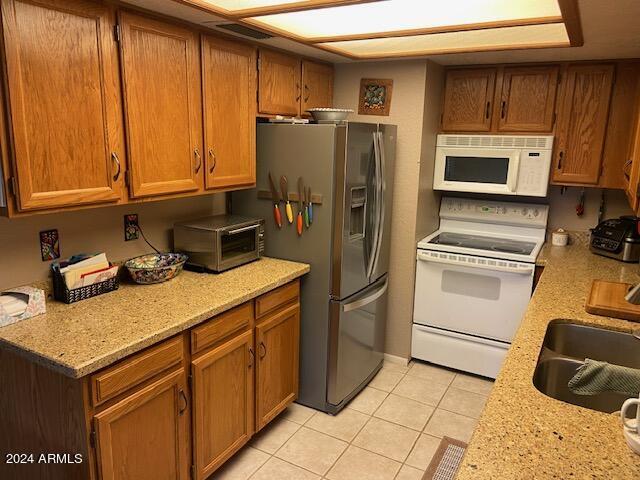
<point x="486" y="113"/>
<point x="114" y="157"/>
<point x="253" y="357"/>
<point x="196" y="152"/>
<point x="212" y="156"/>
<point x="560" y="155"/>
<point x="298" y="90"/>
<point x="503" y="108"/>
<point x="625" y="169"/>
<point x="263" y="349"/>
<point x="186" y="403"/>
<point x="307" y="92"/>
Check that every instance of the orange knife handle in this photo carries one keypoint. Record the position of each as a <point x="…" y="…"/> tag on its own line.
<point x="299" y="223"/>
<point x="277" y="216"/>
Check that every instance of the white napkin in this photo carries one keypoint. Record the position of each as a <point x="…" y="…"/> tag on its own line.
<point x="12" y="306"/>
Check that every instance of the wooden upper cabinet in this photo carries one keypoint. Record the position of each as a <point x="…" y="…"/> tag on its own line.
<point x="277" y="349"/>
<point x="161" y="80"/>
<point x="582" y="123"/>
<point x="279" y="86"/>
<point x="65" y="109"/>
<point x="222" y="402"/>
<point x="528" y="99"/>
<point x="146" y="435"/>
<point x="467" y="100"/>
<point x="229" y="86"/>
<point x="631" y="168"/>
<point x="317" y="85"/>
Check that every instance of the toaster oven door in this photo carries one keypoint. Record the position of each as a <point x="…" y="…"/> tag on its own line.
<point x="238" y="246"/>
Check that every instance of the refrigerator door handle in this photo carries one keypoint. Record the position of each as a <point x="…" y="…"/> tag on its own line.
<point x="381" y="201"/>
<point x="376" y="225"/>
<point x="361" y="302"/>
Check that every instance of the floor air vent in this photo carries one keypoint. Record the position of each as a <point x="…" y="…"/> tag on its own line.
<point x="245" y="31"/>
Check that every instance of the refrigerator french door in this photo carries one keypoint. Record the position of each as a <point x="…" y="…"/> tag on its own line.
<point x="349" y="167"/>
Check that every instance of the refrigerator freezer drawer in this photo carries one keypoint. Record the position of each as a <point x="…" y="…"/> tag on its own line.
<point x="356" y="341"/>
<point x="455" y="350"/>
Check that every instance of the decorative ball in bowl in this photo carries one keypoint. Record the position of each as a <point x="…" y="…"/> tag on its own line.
<point x="155" y="267"/>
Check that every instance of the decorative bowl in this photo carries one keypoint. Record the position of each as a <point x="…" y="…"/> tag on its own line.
<point x="155" y="267"/>
<point x="329" y="115"/>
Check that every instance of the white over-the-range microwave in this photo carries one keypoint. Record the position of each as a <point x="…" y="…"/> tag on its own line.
<point x="497" y="164"/>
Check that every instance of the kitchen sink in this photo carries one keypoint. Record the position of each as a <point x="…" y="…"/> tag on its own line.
<point x="566" y="345"/>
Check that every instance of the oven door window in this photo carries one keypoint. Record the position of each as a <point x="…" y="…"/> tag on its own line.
<point x="470" y="169"/>
<point x="238" y="245"/>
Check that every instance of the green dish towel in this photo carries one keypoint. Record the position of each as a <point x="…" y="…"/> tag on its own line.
<point x="595" y="377"/>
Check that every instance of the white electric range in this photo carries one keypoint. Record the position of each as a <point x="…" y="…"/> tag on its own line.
<point x="474" y="278"/>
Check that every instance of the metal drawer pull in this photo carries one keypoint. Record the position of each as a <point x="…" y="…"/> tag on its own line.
<point x="264" y="349"/>
<point x="308" y="93"/>
<point x="213" y="157"/>
<point x="366" y="300"/>
<point x="253" y="357"/>
<point x="243" y="229"/>
<point x="298" y="90"/>
<point x="114" y="157"/>
<point x="560" y="155"/>
<point x="488" y="109"/>
<point x="197" y="154"/>
<point x="186" y="403"/>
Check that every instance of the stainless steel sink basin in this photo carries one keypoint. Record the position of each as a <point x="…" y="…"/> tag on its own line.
<point x="565" y="347"/>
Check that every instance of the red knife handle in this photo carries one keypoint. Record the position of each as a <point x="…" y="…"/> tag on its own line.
<point x="277" y="216"/>
<point x="299" y="223"/>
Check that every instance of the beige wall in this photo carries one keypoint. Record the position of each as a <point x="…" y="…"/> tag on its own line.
<point x="406" y="112"/>
<point x="562" y="207"/>
<point x="94" y="230"/>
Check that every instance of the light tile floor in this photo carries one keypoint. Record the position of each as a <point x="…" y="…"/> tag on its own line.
<point x="391" y="430"/>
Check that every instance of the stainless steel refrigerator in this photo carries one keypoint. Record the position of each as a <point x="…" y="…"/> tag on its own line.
<point x="349" y="167"/>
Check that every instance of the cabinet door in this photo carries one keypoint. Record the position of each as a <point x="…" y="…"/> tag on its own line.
<point x="467" y="100"/>
<point x="317" y="85"/>
<point x="632" y="166"/>
<point x="62" y="77"/>
<point x="279" y="89"/>
<point x="277" y="347"/>
<point x="528" y="99"/>
<point x="146" y="435"/>
<point x="582" y="122"/>
<point x="223" y="402"/>
<point x="229" y="80"/>
<point x="161" y="82"/>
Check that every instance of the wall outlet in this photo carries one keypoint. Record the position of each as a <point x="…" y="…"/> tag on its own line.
<point x="131" y="227"/>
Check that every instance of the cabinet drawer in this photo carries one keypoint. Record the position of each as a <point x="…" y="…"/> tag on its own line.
<point x="135" y="370"/>
<point x="280" y="296"/>
<point x="221" y="326"/>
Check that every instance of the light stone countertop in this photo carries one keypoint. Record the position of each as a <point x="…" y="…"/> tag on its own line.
<point x="523" y="434"/>
<point x="83" y="337"/>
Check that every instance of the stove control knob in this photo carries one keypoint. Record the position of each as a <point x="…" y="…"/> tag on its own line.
<point x="536" y="212"/>
<point x="525" y="211"/>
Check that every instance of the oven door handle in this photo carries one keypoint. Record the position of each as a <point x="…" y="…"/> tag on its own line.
<point x="496" y="268"/>
<point x="240" y="230"/>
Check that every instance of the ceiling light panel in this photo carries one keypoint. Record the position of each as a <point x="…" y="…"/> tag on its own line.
<point x="393" y="16"/>
<point x="532" y="36"/>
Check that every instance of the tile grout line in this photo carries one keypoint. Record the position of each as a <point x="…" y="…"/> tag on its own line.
<point x="348" y="445"/>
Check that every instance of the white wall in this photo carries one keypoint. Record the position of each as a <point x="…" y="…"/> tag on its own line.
<point x="406" y="112"/>
<point x="93" y="230"/>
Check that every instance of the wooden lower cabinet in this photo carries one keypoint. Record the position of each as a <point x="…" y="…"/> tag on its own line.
<point x="140" y="418"/>
<point x="222" y="390"/>
<point x="146" y="435"/>
<point x="277" y="339"/>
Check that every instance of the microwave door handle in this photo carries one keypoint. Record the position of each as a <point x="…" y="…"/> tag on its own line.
<point x="240" y="230"/>
<point x="362" y="302"/>
<point x="512" y="181"/>
<point x="496" y="268"/>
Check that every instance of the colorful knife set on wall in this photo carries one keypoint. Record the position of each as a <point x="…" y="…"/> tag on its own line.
<point x="305" y="207"/>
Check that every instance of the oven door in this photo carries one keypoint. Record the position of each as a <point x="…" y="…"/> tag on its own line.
<point x="474" y="295"/>
<point x="482" y="170"/>
<point x="238" y="246"/>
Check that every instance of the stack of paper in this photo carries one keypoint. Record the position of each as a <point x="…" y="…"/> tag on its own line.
<point x="86" y="272"/>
